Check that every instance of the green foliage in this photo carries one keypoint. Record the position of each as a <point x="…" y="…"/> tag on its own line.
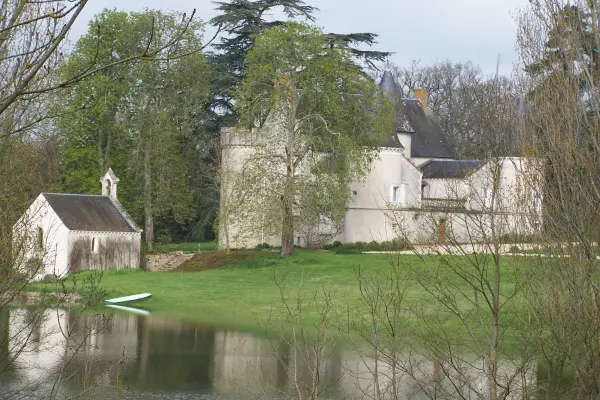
<point x="571" y="39"/>
<point x="397" y="244"/>
<point x="244" y="20"/>
<point x="186" y="247"/>
<point x="520" y="238"/>
<point x="314" y="114"/>
<point x="137" y="118"/>
<point x="343" y="250"/>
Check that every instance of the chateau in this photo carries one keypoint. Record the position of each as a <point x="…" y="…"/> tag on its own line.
<point x="416" y="189"/>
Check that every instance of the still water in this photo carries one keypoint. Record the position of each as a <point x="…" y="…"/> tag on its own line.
<point x="128" y="356"/>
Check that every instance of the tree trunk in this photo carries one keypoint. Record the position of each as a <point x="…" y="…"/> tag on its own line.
<point x="148" y="218"/>
<point x="287" y="229"/>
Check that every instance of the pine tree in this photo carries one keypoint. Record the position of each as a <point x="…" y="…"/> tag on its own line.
<point x="570" y="41"/>
<point x="242" y="20"/>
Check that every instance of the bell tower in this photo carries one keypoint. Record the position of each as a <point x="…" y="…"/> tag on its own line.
<point x="109" y="184"/>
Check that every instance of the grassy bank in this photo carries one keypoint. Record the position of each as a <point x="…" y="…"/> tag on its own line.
<point x="186" y="247"/>
<point x="244" y="292"/>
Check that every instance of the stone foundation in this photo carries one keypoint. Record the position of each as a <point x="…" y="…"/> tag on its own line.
<point x="162" y="262"/>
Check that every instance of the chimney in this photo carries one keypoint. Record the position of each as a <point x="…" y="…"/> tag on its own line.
<point x="421" y="95"/>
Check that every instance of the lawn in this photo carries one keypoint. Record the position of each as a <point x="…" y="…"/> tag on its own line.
<point x="186" y="247"/>
<point x="243" y="293"/>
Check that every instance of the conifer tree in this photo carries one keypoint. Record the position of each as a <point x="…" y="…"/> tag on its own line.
<point x="242" y="20"/>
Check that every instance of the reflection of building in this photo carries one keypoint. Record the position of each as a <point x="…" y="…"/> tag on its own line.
<point x="37" y="340"/>
<point x="244" y="363"/>
<point x="419" y="378"/>
<point x="150" y="354"/>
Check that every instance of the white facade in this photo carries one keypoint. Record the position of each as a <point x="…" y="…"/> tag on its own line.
<point x="415" y="189"/>
<point x="395" y="200"/>
<point x="45" y="246"/>
<point x="40" y="235"/>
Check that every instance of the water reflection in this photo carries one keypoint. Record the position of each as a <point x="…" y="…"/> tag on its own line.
<point x="103" y="355"/>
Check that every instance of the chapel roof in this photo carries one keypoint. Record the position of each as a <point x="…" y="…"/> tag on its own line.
<point x="89" y="213"/>
<point x="428" y="140"/>
<point x="450" y="169"/>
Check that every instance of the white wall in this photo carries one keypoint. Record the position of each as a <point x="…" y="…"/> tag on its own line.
<point x="391" y="168"/>
<point x="116" y="250"/>
<point x="25" y="240"/>
<point x="367" y="218"/>
<point x="446" y="189"/>
<point x="406" y="140"/>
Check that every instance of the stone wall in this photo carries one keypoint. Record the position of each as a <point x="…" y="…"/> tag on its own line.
<point x="160" y="262"/>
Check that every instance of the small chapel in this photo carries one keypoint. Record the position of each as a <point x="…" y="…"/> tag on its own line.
<point x="63" y="233"/>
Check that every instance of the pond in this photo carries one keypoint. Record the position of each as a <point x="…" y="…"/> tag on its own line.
<point x="129" y="356"/>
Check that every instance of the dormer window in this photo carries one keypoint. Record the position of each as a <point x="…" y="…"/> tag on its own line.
<point x="40" y="238"/>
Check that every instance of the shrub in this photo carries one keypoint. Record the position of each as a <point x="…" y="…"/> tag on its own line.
<point x="518" y="238"/>
<point x="397" y="244"/>
<point x="373" y="246"/>
<point x="163" y="236"/>
<point x="342" y="250"/>
<point x="337" y="243"/>
<point x="263" y="246"/>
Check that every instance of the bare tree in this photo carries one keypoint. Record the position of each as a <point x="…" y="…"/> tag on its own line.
<point x="559" y="42"/>
<point x="32" y="42"/>
<point x="460" y="97"/>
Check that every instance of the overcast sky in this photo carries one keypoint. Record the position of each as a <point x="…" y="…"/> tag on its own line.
<point x="426" y="30"/>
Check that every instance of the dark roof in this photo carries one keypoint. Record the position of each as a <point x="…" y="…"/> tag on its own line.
<point x="389" y="86"/>
<point x="428" y="140"/>
<point x="440" y="169"/>
<point x="393" y="142"/>
<point x="89" y="213"/>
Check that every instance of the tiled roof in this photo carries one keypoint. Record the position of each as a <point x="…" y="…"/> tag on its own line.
<point x="89" y="213"/>
<point x="445" y="169"/>
<point x="428" y="140"/>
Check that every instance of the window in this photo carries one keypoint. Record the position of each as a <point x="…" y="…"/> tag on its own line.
<point x="94" y="245"/>
<point x="398" y="194"/>
<point x="108" y="187"/>
<point x="40" y="238"/>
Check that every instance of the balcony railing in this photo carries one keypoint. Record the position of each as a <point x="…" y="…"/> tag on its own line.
<point x="444" y="204"/>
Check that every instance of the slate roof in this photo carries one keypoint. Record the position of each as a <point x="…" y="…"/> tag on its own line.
<point x="389" y="86"/>
<point x="393" y="142"/>
<point x="428" y="140"/>
<point x="446" y="169"/>
<point x="89" y="213"/>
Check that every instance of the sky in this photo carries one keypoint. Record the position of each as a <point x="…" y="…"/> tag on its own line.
<point x="480" y="31"/>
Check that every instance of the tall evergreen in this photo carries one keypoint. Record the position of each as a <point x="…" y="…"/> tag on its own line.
<point x="242" y="20"/>
<point x="571" y="40"/>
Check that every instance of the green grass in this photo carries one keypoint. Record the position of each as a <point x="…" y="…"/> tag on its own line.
<point x="244" y="292"/>
<point x="186" y="247"/>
